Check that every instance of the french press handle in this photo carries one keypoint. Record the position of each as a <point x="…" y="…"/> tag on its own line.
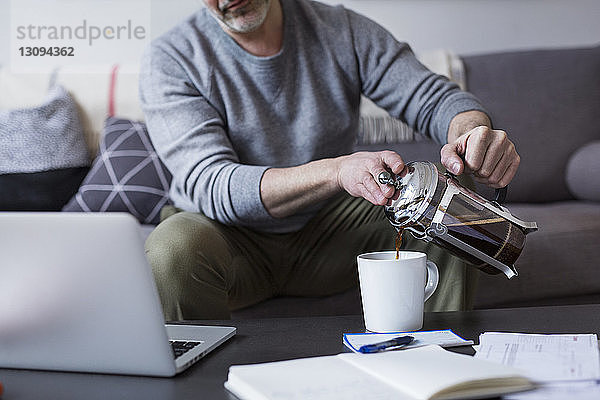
<point x="499" y="195"/>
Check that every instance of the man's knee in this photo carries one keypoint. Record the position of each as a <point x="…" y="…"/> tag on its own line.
<point x="187" y="246"/>
<point x="189" y="256"/>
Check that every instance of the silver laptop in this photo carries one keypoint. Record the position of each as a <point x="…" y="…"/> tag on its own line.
<point x="77" y="294"/>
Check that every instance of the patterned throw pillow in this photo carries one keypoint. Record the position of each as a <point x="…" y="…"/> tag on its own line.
<point x="127" y="175"/>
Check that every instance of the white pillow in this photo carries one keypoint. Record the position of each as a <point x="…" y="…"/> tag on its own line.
<point x="377" y="126"/>
<point x="89" y="90"/>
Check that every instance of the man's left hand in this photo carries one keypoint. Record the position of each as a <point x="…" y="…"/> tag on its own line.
<point x="487" y="153"/>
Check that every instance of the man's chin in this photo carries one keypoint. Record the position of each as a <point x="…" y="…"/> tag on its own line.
<point x="244" y="26"/>
<point x="247" y="19"/>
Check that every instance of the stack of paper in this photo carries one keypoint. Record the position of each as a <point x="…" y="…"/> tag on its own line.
<point x="568" y="366"/>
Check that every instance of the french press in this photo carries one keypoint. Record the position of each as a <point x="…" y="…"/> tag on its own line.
<point x="436" y="208"/>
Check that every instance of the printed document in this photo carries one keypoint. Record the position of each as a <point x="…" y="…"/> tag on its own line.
<point x="544" y="358"/>
<point x="567" y="365"/>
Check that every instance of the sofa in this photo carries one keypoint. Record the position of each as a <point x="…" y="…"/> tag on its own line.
<point x="547" y="101"/>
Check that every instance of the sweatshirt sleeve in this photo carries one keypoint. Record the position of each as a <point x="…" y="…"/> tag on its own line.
<point x="190" y="137"/>
<point x="393" y="78"/>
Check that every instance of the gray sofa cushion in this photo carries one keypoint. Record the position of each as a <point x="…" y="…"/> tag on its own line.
<point x="559" y="261"/>
<point x="583" y="172"/>
<point x="548" y="101"/>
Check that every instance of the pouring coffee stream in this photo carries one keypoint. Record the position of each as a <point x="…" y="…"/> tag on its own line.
<point x="385" y="178"/>
<point x="435" y="207"/>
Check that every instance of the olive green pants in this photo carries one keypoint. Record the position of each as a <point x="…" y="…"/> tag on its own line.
<point x="204" y="269"/>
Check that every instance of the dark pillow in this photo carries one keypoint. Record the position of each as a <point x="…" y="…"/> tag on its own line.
<point x="127" y="175"/>
<point x="43" y="154"/>
<point x="583" y="172"/>
<point x="548" y="102"/>
<point x="40" y="191"/>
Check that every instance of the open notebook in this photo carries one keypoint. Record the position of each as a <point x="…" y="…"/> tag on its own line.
<point x="428" y="372"/>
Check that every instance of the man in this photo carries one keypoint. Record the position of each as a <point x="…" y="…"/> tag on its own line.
<point x="253" y="106"/>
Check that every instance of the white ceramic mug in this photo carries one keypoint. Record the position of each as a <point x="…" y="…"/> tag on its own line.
<point x="393" y="290"/>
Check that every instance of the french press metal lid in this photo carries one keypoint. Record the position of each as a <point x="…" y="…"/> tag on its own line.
<point x="435" y="207"/>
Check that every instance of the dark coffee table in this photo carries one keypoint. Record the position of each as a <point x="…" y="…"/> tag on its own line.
<point x="263" y="340"/>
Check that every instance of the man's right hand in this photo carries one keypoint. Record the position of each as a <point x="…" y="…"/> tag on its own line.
<point x="358" y="175"/>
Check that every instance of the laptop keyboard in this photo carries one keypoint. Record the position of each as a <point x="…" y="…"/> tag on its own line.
<point x="180" y="348"/>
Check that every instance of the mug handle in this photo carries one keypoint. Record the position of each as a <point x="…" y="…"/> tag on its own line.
<point x="433" y="277"/>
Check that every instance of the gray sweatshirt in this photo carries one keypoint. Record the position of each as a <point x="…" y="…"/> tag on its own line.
<point x="219" y="117"/>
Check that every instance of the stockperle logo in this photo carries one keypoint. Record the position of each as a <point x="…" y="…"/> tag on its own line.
<point x="49" y="34"/>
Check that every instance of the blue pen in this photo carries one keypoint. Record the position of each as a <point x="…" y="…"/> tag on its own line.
<point x="388" y="344"/>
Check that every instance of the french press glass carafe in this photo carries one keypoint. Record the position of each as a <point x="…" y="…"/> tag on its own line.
<point x="435" y="207"/>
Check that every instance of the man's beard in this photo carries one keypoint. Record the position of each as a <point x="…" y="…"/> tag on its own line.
<point x="245" y="19"/>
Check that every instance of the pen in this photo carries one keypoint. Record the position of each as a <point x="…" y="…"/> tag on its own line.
<point x="388" y="344"/>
